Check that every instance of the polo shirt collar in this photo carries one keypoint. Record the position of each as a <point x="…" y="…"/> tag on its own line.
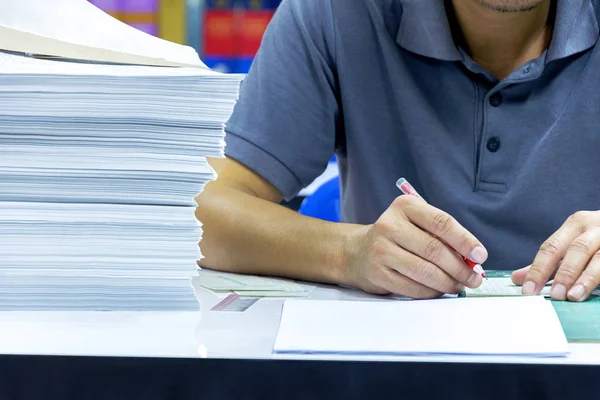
<point x="575" y="29"/>
<point x="424" y="29"/>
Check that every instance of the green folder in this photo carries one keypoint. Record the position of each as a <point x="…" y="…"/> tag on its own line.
<point x="580" y="321"/>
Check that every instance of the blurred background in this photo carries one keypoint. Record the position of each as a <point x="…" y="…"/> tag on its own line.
<point x="226" y="33"/>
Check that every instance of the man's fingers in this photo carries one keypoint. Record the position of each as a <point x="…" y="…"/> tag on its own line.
<point x="447" y="229"/>
<point x="518" y="276"/>
<point x="549" y="255"/>
<point x="578" y="255"/>
<point x="396" y="283"/>
<point x="588" y="281"/>
<point x="415" y="268"/>
<point x="425" y="246"/>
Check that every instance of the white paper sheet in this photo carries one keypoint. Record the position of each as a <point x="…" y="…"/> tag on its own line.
<point x="479" y="326"/>
<point x="77" y="29"/>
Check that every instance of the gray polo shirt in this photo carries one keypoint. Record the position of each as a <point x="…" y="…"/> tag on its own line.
<point x="382" y="84"/>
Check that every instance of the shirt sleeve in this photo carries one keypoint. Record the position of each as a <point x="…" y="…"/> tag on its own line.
<point x="284" y="123"/>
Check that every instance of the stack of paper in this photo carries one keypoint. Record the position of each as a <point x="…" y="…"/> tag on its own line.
<point x="482" y="326"/>
<point x="99" y="167"/>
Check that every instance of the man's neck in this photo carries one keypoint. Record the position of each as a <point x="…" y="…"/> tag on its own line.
<point x="503" y="41"/>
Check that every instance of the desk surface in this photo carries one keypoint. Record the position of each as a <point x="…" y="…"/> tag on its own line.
<point x="242" y="340"/>
<point x="206" y="334"/>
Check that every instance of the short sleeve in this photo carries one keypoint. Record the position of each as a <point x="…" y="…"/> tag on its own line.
<point x="283" y="125"/>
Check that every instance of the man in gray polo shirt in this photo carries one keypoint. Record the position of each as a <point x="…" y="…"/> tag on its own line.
<point x="490" y="108"/>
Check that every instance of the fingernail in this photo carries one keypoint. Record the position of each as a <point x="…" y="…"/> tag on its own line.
<point x="479" y="255"/>
<point x="472" y="280"/>
<point x="577" y="292"/>
<point x="528" y="288"/>
<point x="559" y="292"/>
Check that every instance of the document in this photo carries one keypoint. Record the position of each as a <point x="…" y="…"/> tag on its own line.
<point x="251" y="286"/>
<point x="272" y="293"/>
<point x="500" y="287"/>
<point x="477" y="326"/>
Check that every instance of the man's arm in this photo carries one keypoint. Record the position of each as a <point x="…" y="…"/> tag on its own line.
<point x="412" y="250"/>
<point x="247" y="231"/>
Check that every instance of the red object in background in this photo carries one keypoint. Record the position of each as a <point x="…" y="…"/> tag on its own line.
<point x="250" y="30"/>
<point x="234" y="32"/>
<point x="220" y="33"/>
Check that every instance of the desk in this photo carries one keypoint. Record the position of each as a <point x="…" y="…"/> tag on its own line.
<point x="227" y="355"/>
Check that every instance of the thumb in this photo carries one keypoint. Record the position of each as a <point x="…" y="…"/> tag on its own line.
<point x="518" y="276"/>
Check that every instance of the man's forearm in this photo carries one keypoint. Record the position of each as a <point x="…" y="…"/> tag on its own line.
<point x="246" y="234"/>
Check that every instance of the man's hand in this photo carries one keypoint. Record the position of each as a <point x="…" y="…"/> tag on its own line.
<point x="571" y="255"/>
<point x="413" y="250"/>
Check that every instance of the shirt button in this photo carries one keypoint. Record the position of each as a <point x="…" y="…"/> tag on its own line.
<point x="495" y="99"/>
<point x="493" y="144"/>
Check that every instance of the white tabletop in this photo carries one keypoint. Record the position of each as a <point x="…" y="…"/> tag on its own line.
<point x="213" y="334"/>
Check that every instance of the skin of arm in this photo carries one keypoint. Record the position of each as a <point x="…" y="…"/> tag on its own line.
<point x="246" y="230"/>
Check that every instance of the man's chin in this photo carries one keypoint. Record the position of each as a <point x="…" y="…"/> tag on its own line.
<point x="510" y="5"/>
